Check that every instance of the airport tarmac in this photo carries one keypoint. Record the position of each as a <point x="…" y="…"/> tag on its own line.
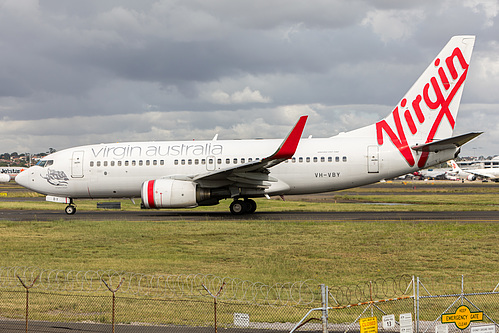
<point x="186" y="215"/>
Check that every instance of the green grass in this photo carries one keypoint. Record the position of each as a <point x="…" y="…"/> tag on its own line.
<point x="267" y="251"/>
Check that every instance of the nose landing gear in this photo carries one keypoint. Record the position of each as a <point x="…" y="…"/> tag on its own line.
<point x="70" y="209"/>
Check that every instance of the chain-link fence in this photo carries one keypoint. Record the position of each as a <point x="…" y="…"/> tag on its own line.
<point x="81" y="301"/>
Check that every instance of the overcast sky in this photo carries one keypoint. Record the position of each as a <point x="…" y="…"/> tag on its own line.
<point x="82" y="72"/>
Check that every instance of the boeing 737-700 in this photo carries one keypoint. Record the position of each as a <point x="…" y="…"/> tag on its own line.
<point x="417" y="133"/>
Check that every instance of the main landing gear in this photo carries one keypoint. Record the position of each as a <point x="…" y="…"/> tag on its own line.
<point x="240" y="207"/>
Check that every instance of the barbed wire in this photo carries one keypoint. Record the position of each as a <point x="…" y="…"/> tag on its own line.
<point x="381" y="288"/>
<point x="163" y="285"/>
<point x="183" y="286"/>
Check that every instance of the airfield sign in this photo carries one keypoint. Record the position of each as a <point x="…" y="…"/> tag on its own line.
<point x="462" y="317"/>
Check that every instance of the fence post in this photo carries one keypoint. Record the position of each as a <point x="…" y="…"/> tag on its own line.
<point x="417" y="305"/>
<point x="114" y="296"/>
<point x="214" y="301"/>
<point x="27" y="296"/>
<point x="324" y="295"/>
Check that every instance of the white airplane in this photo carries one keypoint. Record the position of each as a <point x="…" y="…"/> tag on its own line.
<point x="7" y="173"/>
<point x="435" y="173"/>
<point x="472" y="174"/>
<point x="184" y="174"/>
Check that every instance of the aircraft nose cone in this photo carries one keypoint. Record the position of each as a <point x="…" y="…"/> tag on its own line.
<point x="22" y="178"/>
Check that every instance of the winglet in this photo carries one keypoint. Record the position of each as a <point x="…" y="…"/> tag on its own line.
<point x="288" y="147"/>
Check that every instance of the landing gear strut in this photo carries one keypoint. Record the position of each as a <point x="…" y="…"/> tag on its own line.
<point x="240" y="207"/>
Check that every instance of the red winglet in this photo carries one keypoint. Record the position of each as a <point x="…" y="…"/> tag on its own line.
<point x="289" y="145"/>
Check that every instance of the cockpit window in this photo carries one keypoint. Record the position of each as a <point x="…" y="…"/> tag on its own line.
<point x="45" y="163"/>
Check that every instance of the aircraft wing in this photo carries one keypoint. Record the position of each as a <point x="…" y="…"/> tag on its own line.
<point x="482" y="174"/>
<point x="254" y="174"/>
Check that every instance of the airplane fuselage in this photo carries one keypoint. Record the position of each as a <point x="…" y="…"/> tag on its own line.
<point x="118" y="170"/>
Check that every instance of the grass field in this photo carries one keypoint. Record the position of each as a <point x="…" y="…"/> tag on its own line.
<point x="269" y="251"/>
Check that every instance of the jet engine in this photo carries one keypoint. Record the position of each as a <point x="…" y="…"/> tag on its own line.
<point x="4" y="178"/>
<point x="471" y="177"/>
<point x="171" y="193"/>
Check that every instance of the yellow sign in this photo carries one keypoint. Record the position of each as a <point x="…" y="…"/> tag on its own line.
<point x="462" y="317"/>
<point x="369" y="325"/>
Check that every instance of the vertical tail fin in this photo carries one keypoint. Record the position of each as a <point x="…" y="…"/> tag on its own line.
<point x="454" y="166"/>
<point x="428" y="111"/>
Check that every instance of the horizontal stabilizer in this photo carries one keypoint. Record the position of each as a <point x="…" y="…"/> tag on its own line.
<point x="450" y="143"/>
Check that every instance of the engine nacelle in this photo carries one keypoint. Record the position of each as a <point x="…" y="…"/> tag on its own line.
<point x="4" y="178"/>
<point x="471" y="177"/>
<point x="171" y="193"/>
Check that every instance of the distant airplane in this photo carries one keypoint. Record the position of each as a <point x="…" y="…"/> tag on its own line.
<point x="435" y="173"/>
<point x="7" y="173"/>
<point x="472" y="174"/>
<point x="186" y="174"/>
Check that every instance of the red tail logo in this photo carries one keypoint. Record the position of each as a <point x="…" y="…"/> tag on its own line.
<point x="434" y="99"/>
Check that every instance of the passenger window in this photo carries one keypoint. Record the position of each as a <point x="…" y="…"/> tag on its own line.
<point x="308" y="159"/>
<point x="189" y="162"/>
<point x="154" y="162"/>
<point x="330" y="159"/>
<point x="323" y="159"/>
<point x="91" y="163"/>
<point x="235" y="161"/>
<point x="148" y="162"/>
<point x="98" y="163"/>
<point x="126" y="163"/>
<point x="196" y="161"/>
<point x="315" y="160"/>
<point x="49" y="163"/>
<point x="182" y="162"/>
<point x="119" y="163"/>
<point x="112" y="163"/>
<point x="243" y="160"/>
<point x="105" y="163"/>
<point x="344" y="158"/>
<point x="203" y="161"/>
<point x="134" y="163"/>
<point x="337" y="158"/>
<point x="227" y="161"/>
<point x="293" y="160"/>
<point x="219" y="161"/>
<point x="300" y="159"/>
<point x="162" y="162"/>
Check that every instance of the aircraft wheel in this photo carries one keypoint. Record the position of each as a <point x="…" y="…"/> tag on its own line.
<point x="70" y="209"/>
<point x="251" y="206"/>
<point x="237" y="207"/>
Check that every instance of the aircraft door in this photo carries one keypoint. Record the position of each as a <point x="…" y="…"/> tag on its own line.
<point x="372" y="159"/>
<point x="77" y="164"/>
